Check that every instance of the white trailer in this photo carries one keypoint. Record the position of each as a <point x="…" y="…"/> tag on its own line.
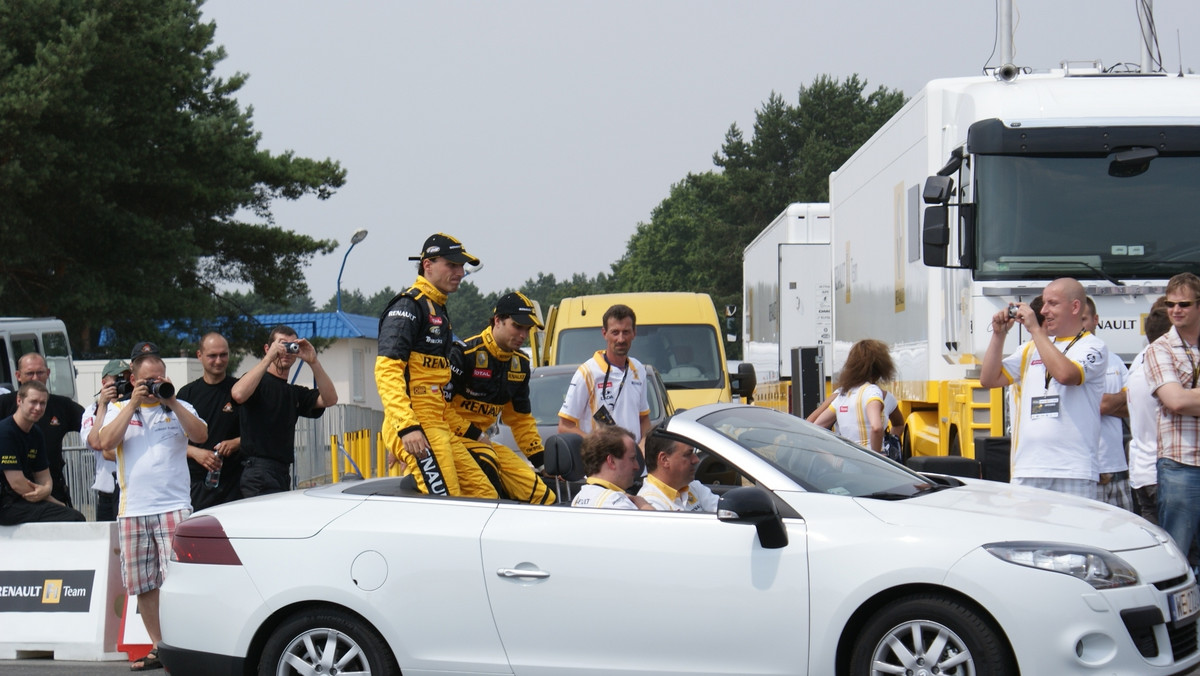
<point x="981" y="190"/>
<point x="787" y="291"/>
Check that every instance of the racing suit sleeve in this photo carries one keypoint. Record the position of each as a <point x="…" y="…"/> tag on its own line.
<point x="458" y="425"/>
<point x="398" y="329"/>
<point x="518" y="415"/>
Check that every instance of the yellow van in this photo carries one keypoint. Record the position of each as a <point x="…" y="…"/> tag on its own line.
<point x="677" y="333"/>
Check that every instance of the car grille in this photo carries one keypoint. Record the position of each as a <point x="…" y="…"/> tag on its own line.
<point x="1183" y="639"/>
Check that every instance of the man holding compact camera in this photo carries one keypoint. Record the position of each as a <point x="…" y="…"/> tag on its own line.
<point x="1060" y="375"/>
<point x="148" y="436"/>
<point x="270" y="407"/>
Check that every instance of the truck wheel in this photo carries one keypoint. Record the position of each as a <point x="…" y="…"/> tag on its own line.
<point x="955" y="447"/>
<point x="905" y="445"/>
<point x="930" y="634"/>
<point x="326" y="641"/>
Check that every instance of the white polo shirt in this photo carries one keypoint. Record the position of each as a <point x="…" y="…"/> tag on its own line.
<point x="600" y="493"/>
<point x="623" y="391"/>
<point x="152" y="461"/>
<point x="695" y="497"/>
<point x="1143" y="425"/>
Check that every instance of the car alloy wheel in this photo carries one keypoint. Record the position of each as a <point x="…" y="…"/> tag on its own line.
<point x="930" y="635"/>
<point x="327" y="642"/>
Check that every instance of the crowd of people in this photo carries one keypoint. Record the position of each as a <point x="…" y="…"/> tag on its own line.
<point x="162" y="454"/>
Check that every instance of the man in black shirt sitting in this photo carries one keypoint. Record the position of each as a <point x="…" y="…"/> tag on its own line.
<point x="25" y="482"/>
<point x="62" y="415"/>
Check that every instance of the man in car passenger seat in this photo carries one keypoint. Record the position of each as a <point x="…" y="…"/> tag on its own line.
<point x="413" y="368"/>
<point x="610" y="461"/>
<point x="671" y="484"/>
<point x="489" y="376"/>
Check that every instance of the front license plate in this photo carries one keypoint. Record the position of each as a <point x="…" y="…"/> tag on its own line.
<point x="1184" y="603"/>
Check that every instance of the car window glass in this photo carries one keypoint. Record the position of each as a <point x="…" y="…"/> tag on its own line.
<point x="816" y="459"/>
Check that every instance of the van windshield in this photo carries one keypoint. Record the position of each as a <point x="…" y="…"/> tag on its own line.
<point x="687" y="356"/>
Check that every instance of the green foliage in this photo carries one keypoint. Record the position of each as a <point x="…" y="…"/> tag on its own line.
<point x="124" y="164"/>
<point x="357" y="303"/>
<point x="695" y="238"/>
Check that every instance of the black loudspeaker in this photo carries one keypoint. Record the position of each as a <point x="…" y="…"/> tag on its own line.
<point x="995" y="453"/>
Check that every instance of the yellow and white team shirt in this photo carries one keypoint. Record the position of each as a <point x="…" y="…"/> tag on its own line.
<point x="600" y="493"/>
<point x="1057" y="428"/>
<point x="851" y="410"/>
<point x="695" y="497"/>
<point x="622" y="391"/>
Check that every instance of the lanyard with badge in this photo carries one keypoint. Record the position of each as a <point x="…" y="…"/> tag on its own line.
<point x="1187" y="349"/>
<point x="602" y="413"/>
<point x="1047" y="406"/>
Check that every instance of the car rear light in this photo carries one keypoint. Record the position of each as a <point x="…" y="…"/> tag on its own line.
<point x="201" y="539"/>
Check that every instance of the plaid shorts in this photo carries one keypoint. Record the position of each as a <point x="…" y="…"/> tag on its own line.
<point x="1084" y="488"/>
<point x="146" y="548"/>
<point x="1117" y="493"/>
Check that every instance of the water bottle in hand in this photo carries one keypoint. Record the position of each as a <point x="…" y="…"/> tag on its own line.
<point x="214" y="475"/>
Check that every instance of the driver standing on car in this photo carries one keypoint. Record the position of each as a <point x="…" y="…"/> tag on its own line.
<point x="671" y="484"/>
<point x="489" y="376"/>
<point x="610" y="460"/>
<point x="413" y="368"/>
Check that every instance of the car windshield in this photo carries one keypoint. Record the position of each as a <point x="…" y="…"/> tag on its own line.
<point x="547" y="392"/>
<point x="687" y="356"/>
<point x="815" y="458"/>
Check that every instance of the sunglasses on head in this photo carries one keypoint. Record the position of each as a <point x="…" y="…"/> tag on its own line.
<point x="1185" y="304"/>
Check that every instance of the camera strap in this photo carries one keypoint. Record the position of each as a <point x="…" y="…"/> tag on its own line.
<point x="607" y="382"/>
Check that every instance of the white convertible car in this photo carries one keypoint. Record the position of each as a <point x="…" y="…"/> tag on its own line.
<point x="822" y="559"/>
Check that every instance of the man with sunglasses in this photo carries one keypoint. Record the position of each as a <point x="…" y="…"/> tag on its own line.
<point x="1172" y="370"/>
<point x="1061" y="377"/>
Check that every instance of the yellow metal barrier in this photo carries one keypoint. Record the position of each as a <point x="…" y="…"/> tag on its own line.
<point x="357" y="457"/>
<point x="772" y="395"/>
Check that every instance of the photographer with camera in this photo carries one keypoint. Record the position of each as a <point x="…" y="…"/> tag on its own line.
<point x="270" y="407"/>
<point x="114" y="386"/>
<point x="148" y="436"/>
<point x="1060" y="374"/>
<point x="609" y="388"/>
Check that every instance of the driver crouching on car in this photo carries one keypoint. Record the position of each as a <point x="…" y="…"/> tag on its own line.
<point x="610" y="460"/>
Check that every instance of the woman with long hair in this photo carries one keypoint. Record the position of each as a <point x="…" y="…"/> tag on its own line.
<point x="859" y="404"/>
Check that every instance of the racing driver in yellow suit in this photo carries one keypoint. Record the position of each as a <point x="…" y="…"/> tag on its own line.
<point x="489" y="377"/>
<point x="413" y="369"/>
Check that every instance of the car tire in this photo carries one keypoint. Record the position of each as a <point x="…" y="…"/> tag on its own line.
<point x="897" y="640"/>
<point x="299" y="645"/>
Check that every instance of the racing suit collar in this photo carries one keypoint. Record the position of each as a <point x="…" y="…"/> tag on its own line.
<point x="430" y="290"/>
<point x="489" y="341"/>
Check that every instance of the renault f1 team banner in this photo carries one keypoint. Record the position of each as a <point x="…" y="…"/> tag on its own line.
<point x="46" y="591"/>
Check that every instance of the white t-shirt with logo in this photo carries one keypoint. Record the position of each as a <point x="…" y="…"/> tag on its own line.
<point x="851" y="409"/>
<point x="623" y="391"/>
<point x="1057" y="428"/>
<point x="152" y="461"/>
<point x="600" y="493"/>
<point x="695" y="497"/>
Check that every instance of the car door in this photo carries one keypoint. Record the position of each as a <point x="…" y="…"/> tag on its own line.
<point x="603" y="591"/>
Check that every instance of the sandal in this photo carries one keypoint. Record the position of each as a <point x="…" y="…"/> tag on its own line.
<point x="147" y="663"/>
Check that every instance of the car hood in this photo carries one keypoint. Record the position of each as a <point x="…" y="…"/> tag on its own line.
<point x="1006" y="513"/>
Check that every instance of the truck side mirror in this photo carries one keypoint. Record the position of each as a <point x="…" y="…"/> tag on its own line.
<point x="935" y="235"/>
<point x="938" y="190"/>
<point x="743" y="383"/>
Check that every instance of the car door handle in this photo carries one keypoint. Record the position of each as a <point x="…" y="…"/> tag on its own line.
<point x="517" y="572"/>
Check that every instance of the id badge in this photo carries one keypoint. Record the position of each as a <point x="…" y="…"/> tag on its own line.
<point x="1044" y="407"/>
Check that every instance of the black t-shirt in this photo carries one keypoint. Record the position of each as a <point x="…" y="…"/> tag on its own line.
<point x="20" y="450"/>
<point x="215" y="405"/>
<point x="62" y="415"/>
<point x="269" y="417"/>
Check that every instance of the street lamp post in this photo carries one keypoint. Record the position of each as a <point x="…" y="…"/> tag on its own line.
<point x="359" y="235"/>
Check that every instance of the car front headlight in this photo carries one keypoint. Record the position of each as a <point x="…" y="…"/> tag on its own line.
<point x="1099" y="568"/>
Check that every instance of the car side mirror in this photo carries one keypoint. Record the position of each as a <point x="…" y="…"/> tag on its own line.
<point x="744" y="382"/>
<point x="755" y="506"/>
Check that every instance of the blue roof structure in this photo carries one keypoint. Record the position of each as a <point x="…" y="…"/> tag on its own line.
<point x="324" y="324"/>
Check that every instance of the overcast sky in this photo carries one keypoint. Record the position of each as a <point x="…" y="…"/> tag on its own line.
<point x="541" y="132"/>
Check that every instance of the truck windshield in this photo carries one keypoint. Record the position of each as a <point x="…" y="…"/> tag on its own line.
<point x="1040" y="217"/>
<point x="687" y="356"/>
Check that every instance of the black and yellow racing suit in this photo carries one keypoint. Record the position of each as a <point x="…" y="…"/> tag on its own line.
<point x="486" y="383"/>
<point x="411" y="372"/>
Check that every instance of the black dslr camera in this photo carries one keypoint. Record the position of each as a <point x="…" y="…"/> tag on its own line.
<point x="124" y="387"/>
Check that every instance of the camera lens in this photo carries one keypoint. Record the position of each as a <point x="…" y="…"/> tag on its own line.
<point x="162" y="389"/>
<point x="292" y="348"/>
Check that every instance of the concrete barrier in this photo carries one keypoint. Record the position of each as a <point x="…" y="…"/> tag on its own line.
<point x="60" y="591"/>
